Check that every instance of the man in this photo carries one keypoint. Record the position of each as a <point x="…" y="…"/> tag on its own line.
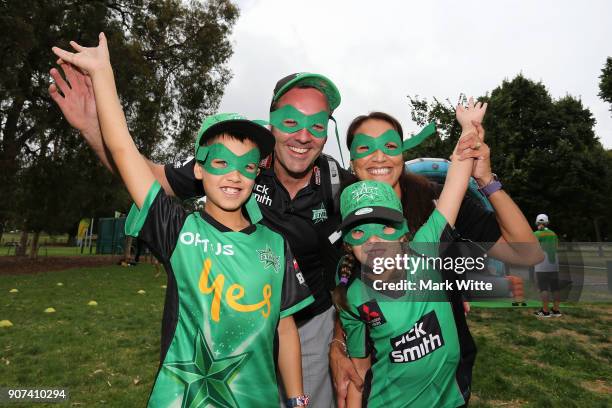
<point x="547" y="271"/>
<point x="295" y="191"/>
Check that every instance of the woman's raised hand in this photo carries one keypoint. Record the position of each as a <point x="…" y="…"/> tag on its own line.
<point x="89" y="59"/>
<point x="473" y="112"/>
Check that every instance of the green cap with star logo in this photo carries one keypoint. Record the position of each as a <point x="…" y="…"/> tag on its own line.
<point x="369" y="200"/>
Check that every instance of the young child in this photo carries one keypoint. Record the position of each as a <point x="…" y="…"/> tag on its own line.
<point x="232" y="282"/>
<point x="403" y="344"/>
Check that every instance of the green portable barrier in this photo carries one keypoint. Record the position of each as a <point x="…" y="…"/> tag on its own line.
<point x="111" y="236"/>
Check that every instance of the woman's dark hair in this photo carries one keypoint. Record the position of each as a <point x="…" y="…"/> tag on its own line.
<point x="417" y="197"/>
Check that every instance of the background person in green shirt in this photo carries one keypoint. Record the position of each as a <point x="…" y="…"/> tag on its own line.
<point x="407" y="351"/>
<point x="547" y="271"/>
<point x="232" y="282"/>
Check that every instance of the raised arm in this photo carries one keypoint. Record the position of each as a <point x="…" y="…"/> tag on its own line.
<point x="75" y="98"/>
<point x="517" y="244"/>
<point x="459" y="171"/>
<point x="133" y="168"/>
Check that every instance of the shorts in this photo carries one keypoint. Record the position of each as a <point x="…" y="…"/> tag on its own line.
<point x="548" y="281"/>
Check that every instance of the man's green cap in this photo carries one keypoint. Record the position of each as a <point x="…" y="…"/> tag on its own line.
<point x="317" y="81"/>
<point x="235" y="124"/>
<point x="368" y="200"/>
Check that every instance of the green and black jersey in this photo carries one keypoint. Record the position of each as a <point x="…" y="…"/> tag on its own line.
<point x="413" y="344"/>
<point x="226" y="292"/>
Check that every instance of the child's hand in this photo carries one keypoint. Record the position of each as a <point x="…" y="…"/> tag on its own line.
<point x="472" y="112"/>
<point x="89" y="59"/>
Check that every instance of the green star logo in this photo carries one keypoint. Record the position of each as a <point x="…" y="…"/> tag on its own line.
<point x="365" y="192"/>
<point x="267" y="257"/>
<point x="319" y="214"/>
<point x="206" y="379"/>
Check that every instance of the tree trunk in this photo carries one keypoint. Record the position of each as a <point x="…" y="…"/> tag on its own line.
<point x="23" y="242"/>
<point x="34" y="245"/>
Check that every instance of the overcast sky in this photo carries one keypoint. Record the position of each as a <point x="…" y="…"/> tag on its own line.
<point x="379" y="52"/>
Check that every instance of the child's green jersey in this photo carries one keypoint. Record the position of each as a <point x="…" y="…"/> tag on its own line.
<point x="225" y="295"/>
<point x="413" y="344"/>
<point x="549" y="242"/>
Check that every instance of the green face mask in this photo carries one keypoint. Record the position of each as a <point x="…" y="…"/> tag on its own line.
<point x="390" y="136"/>
<point x="245" y="164"/>
<point x="370" y="230"/>
<point x="373" y="144"/>
<point x="302" y="121"/>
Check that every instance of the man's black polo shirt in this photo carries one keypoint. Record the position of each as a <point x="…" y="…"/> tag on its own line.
<point x="301" y="220"/>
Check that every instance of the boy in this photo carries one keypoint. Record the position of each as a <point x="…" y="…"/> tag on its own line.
<point x="232" y="283"/>
<point x="547" y="271"/>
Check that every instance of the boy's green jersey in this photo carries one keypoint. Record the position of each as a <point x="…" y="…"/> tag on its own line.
<point x="225" y="295"/>
<point x="413" y="344"/>
<point x="549" y="242"/>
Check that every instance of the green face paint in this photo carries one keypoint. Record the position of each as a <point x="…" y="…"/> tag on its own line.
<point x="368" y="230"/>
<point x="363" y="141"/>
<point x="290" y="120"/>
<point x="245" y="164"/>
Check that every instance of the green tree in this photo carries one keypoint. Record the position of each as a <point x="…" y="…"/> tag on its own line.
<point x="169" y="59"/>
<point x="605" y="82"/>
<point x="544" y="150"/>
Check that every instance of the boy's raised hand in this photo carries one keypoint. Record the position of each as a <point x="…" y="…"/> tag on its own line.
<point x="473" y="112"/>
<point x="89" y="59"/>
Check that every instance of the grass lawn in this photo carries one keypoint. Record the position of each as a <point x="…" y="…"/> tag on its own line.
<point x="107" y="355"/>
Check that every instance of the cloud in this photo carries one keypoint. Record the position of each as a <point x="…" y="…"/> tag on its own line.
<point x="378" y="53"/>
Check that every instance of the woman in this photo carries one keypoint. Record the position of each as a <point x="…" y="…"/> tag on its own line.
<point x="384" y="162"/>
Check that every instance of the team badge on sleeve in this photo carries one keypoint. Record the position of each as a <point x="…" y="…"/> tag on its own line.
<point x="370" y="313"/>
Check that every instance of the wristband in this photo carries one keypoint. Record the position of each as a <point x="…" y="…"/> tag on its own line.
<point x="299" y="401"/>
<point x="492" y="187"/>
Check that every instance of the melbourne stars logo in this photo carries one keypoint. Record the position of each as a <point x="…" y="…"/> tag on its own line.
<point x="267" y="257"/>
<point x="205" y="378"/>
<point x="365" y="192"/>
<point x="319" y="214"/>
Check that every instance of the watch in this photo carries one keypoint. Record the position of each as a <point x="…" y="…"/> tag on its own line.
<point x="299" y="401"/>
<point x="493" y="186"/>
